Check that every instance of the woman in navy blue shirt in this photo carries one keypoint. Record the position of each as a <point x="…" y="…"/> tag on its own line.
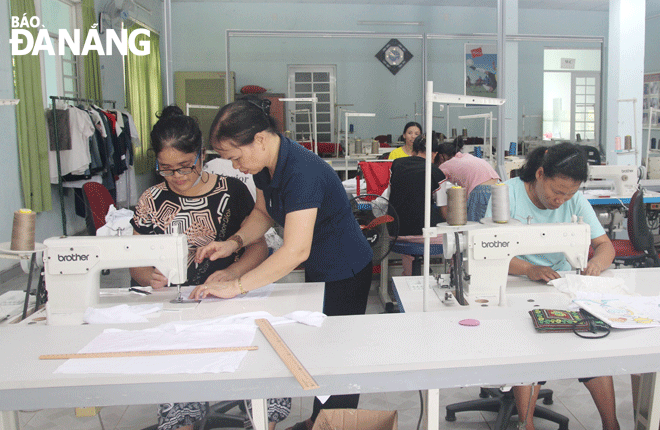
<point x="301" y="192"/>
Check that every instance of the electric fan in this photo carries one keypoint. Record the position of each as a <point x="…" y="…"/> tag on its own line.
<point x="378" y="221"/>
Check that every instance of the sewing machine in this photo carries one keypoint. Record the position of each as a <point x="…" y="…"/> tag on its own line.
<point x="624" y="178"/>
<point x="72" y="267"/>
<point x="481" y="254"/>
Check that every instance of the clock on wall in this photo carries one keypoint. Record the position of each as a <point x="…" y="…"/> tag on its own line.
<point x="394" y="56"/>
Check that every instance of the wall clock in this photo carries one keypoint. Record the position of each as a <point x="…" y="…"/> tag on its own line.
<point x="394" y="56"/>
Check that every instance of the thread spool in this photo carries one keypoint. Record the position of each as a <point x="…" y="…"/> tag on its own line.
<point x="628" y="142"/>
<point x="457" y="206"/>
<point x="499" y="195"/>
<point x="617" y="143"/>
<point x="465" y="135"/>
<point x="653" y="143"/>
<point x="22" y="233"/>
<point x="453" y="133"/>
<point x="375" y="147"/>
<point x="478" y="152"/>
<point x="513" y="148"/>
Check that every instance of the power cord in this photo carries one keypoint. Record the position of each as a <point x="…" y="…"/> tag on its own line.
<point x="421" y="409"/>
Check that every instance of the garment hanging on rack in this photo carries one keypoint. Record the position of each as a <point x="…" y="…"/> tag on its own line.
<point x="77" y="159"/>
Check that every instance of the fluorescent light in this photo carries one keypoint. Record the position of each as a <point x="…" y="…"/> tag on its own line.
<point x="417" y="23"/>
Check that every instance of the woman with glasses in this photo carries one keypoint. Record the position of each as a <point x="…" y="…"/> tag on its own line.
<point x="206" y="208"/>
<point x="547" y="191"/>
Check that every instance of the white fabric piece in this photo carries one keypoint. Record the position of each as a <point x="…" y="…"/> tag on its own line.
<point x="116" y="220"/>
<point x="572" y="284"/>
<point x="121" y="314"/>
<point x="314" y="319"/>
<point x="220" y="166"/>
<point x="350" y="185"/>
<point x="230" y="331"/>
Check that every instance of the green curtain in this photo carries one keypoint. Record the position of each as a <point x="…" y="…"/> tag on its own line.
<point x="31" y="123"/>
<point x="91" y="66"/>
<point x="144" y="95"/>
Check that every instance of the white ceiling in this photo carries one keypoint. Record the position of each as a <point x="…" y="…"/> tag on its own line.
<point x="652" y="6"/>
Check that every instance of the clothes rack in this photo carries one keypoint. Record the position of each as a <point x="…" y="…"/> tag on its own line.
<point x="60" y="188"/>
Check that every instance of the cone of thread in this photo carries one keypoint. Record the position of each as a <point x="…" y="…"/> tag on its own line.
<point x="499" y="196"/>
<point x="457" y="206"/>
<point x="22" y="232"/>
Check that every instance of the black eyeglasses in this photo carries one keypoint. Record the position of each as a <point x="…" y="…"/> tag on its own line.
<point x="181" y="171"/>
<point x="596" y="328"/>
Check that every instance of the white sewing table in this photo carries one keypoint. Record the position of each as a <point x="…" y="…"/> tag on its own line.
<point x="352" y="354"/>
<point x="27" y="382"/>
<point x="508" y="348"/>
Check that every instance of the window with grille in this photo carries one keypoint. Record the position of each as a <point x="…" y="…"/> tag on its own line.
<point x="571" y="94"/>
<point x="59" y="72"/>
<point x="304" y="82"/>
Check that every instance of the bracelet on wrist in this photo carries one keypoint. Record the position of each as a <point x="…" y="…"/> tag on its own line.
<point x="240" y="287"/>
<point x="238" y="239"/>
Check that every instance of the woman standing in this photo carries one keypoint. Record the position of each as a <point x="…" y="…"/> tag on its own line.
<point x="206" y="207"/>
<point x="474" y="174"/>
<point x="301" y="192"/>
<point x="410" y="132"/>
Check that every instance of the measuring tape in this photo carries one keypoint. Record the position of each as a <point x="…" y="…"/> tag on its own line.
<point x="146" y="353"/>
<point x="299" y="372"/>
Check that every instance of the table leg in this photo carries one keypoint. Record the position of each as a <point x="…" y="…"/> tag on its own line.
<point x="260" y="414"/>
<point x="29" y="285"/>
<point x="431" y="418"/>
<point x="384" y="281"/>
<point x="647" y="414"/>
<point x="9" y="420"/>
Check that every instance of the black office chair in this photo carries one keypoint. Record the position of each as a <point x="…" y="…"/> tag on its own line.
<point x="592" y="153"/>
<point x="496" y="400"/>
<point x="639" y="250"/>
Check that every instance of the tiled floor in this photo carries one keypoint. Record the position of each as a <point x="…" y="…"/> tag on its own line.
<point x="570" y="399"/>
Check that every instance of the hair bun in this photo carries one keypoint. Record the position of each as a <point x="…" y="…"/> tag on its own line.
<point x="170" y="111"/>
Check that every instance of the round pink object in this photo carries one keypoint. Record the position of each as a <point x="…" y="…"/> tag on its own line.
<point x="469" y="322"/>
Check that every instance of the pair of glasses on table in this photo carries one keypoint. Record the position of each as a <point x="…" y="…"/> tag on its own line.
<point x="597" y="329"/>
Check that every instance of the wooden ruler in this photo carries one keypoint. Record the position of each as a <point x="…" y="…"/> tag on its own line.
<point x="146" y="353"/>
<point x="301" y="374"/>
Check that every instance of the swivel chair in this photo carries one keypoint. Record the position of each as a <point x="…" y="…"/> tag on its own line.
<point x="496" y="400"/>
<point x="639" y="250"/>
<point x="592" y="153"/>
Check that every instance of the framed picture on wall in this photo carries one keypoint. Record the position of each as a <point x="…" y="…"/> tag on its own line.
<point x="651" y="99"/>
<point x="480" y="68"/>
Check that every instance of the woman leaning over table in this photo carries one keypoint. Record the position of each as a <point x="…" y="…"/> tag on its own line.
<point x="301" y="192"/>
<point x="206" y="207"/>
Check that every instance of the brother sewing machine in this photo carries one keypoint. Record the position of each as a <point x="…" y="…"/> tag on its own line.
<point x="624" y="178"/>
<point x="72" y="267"/>
<point x="481" y="254"/>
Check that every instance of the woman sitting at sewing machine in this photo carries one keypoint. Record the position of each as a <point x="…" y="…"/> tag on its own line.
<point x="547" y="191"/>
<point x="206" y="208"/>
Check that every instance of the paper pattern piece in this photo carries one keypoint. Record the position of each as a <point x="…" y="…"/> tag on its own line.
<point x="621" y="311"/>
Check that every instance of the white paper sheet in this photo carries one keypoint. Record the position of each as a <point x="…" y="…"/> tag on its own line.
<point x="235" y="330"/>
